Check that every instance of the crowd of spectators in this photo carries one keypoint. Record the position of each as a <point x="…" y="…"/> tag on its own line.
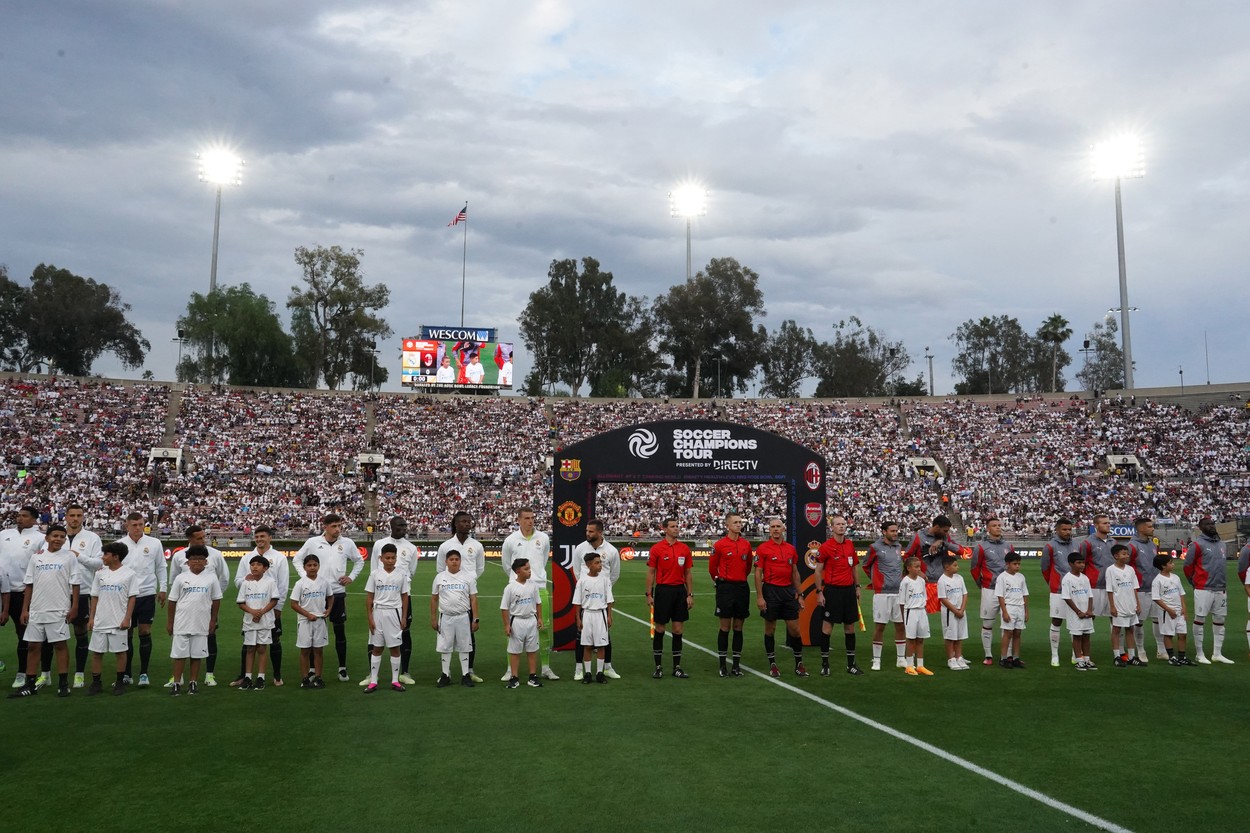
<point x="286" y="458"/>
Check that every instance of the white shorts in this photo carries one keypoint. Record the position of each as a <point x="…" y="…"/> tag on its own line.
<point x="1124" y="621"/>
<point x="1172" y="627"/>
<point x="953" y="627"/>
<point x="595" y="628"/>
<point x="1017" y="622"/>
<point x="916" y="623"/>
<point x="885" y="608"/>
<point x="388" y="631"/>
<point x="188" y="646"/>
<point x="258" y="637"/>
<point x="1077" y="625"/>
<point x="1149" y="610"/>
<point x="455" y="633"/>
<point x="47" y="631"/>
<point x="109" y="641"/>
<point x="1213" y="603"/>
<point x="524" y="639"/>
<point x="1102" y="607"/>
<point x="313" y="634"/>
<point x="1059" y="607"/>
<point x="989" y="605"/>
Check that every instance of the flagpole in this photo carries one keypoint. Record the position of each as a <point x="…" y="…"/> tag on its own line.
<point x="464" y="260"/>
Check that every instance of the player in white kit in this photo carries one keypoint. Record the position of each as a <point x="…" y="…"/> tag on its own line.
<point x="522" y="612"/>
<point x="386" y="606"/>
<point x="114" y="591"/>
<point x="454" y="617"/>
<point x="310" y="600"/>
<point x="258" y="596"/>
<point x="194" y="602"/>
<point x="49" y="603"/>
<point x="593" y="599"/>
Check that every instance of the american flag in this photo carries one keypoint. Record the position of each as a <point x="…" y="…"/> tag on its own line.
<point x="462" y="217"/>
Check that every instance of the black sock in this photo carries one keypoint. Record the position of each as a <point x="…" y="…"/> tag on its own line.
<point x="95" y="678"/>
<point x="472" y="649"/>
<point x="607" y="653"/>
<point x="80" y="654"/>
<point x="210" y="664"/>
<point x="63" y="679"/>
<point x="657" y="649"/>
<point x="145" y="652"/>
<point x="121" y="678"/>
<point x="676" y="650"/>
<point x="45" y="658"/>
<point x="275" y="654"/>
<point x="340" y="643"/>
<point x="130" y="651"/>
<point x="824" y="648"/>
<point x="722" y="646"/>
<point x="850" y="650"/>
<point x="405" y="652"/>
<point x="770" y="649"/>
<point x="1171" y="653"/>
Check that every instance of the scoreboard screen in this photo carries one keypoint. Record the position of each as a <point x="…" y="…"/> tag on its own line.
<point x="454" y="357"/>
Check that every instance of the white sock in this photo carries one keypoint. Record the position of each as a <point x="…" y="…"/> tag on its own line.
<point x="1198" y="635"/>
<point x="987" y="640"/>
<point x="1154" y="631"/>
<point x="394" y="669"/>
<point x="876" y="652"/>
<point x="911" y="662"/>
<point x="1218" y="632"/>
<point x="901" y="648"/>
<point x="1139" y="637"/>
<point x="1054" y="642"/>
<point x="446" y="658"/>
<point x="375" y="662"/>
<point x="464" y="665"/>
<point x="600" y="665"/>
<point x="920" y="662"/>
<point x="1247" y="633"/>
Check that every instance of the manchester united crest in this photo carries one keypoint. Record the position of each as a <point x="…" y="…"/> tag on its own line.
<point x="569" y="513"/>
<point x="570" y="470"/>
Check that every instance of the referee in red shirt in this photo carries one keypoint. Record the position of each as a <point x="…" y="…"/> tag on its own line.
<point x="838" y="593"/>
<point x="668" y="573"/>
<point x="777" y="588"/>
<point x="729" y="565"/>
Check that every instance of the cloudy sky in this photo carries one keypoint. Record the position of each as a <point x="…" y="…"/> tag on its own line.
<point x="913" y="163"/>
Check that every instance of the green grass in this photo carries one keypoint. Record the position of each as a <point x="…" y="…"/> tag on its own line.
<point x="641" y="754"/>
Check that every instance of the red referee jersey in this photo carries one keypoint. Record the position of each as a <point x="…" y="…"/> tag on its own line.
<point x="840" y="561"/>
<point x="670" y="562"/>
<point x="731" y="560"/>
<point x="776" y="562"/>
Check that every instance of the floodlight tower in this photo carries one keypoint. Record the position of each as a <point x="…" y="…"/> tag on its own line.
<point x="1121" y="158"/>
<point x="219" y="167"/>
<point x="688" y="201"/>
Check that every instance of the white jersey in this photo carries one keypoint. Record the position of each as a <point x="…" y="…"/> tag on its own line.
<point x="194" y="596"/>
<point x="521" y="600"/>
<point x="113" y="590"/>
<point x="536" y="548"/>
<point x="453" y="591"/>
<point x="313" y="594"/>
<point x="279" y="570"/>
<point x="608" y="553"/>
<point x="472" y="555"/>
<point x="88" y="549"/>
<point x="405" y="554"/>
<point x="147" y="559"/>
<point x="1076" y="589"/>
<point x="388" y="589"/>
<point x="1168" y="589"/>
<point x="474" y="373"/>
<point x="334" y="557"/>
<point x="593" y="592"/>
<point x="952" y="589"/>
<point x="256" y="593"/>
<point x="1122" y="584"/>
<point x="52" y="577"/>
<point x="1012" y="589"/>
<point x="912" y="593"/>
<point x="216" y="565"/>
<point x="16" y="548"/>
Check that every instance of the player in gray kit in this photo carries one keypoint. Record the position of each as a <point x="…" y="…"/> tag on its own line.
<point x="884" y="565"/>
<point x="1141" y="555"/>
<point x="1096" y="549"/>
<point x="989" y="559"/>
<point x="1054" y="567"/>
<point x="1205" y="569"/>
<point x="1243" y="564"/>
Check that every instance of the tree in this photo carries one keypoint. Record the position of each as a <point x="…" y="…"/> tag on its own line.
<point x="579" y="328"/>
<point x="994" y="354"/>
<point x="1054" y="331"/>
<point x="332" y="315"/>
<point x="787" y="360"/>
<point x="859" y="362"/>
<point x="238" y="338"/>
<point x="1105" y="370"/>
<point x="67" y="321"/>
<point x="711" y="314"/>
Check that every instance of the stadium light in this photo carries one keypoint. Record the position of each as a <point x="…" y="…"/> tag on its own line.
<point x="1121" y="157"/>
<point x="219" y="167"/>
<point x="688" y="201"/>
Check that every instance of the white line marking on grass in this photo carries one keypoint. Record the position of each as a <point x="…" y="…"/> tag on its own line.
<point x="989" y="775"/>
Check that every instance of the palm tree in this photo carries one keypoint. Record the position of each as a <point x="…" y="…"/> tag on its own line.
<point x="1054" y="331"/>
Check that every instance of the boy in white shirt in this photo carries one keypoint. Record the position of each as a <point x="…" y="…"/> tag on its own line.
<point x="1122" y="584"/>
<point x="311" y="599"/>
<point x="912" y="597"/>
<point x="258" y="595"/>
<point x="593" y="600"/>
<point x="386" y="606"/>
<point x="48" y="607"/>
<point x="1168" y="595"/>
<point x="453" y="616"/>
<point x="1012" y="592"/>
<point x="953" y="597"/>
<point x="194" y="602"/>
<point x="1079" y="597"/>
<point x="114" y="591"/>
<point x="522" y="612"/>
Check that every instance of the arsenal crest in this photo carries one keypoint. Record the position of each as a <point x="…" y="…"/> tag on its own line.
<point x="813" y="513"/>
<point x="569" y="512"/>
<point x="570" y="470"/>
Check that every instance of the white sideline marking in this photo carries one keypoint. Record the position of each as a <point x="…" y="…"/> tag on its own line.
<point x="989" y="775"/>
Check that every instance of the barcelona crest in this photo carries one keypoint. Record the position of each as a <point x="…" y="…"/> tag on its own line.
<point x="570" y="470"/>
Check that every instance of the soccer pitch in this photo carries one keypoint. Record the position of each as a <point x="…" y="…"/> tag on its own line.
<point x="1039" y="749"/>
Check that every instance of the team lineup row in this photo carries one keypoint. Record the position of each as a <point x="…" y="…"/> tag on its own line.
<point x="128" y="580"/>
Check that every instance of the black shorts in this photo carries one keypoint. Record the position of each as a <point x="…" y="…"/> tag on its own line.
<point x="841" y="606"/>
<point x="338" y="609"/>
<point x="733" y="600"/>
<point x="670" y="604"/>
<point x="779" y="603"/>
<point x="84" y="609"/>
<point x="145" y="611"/>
